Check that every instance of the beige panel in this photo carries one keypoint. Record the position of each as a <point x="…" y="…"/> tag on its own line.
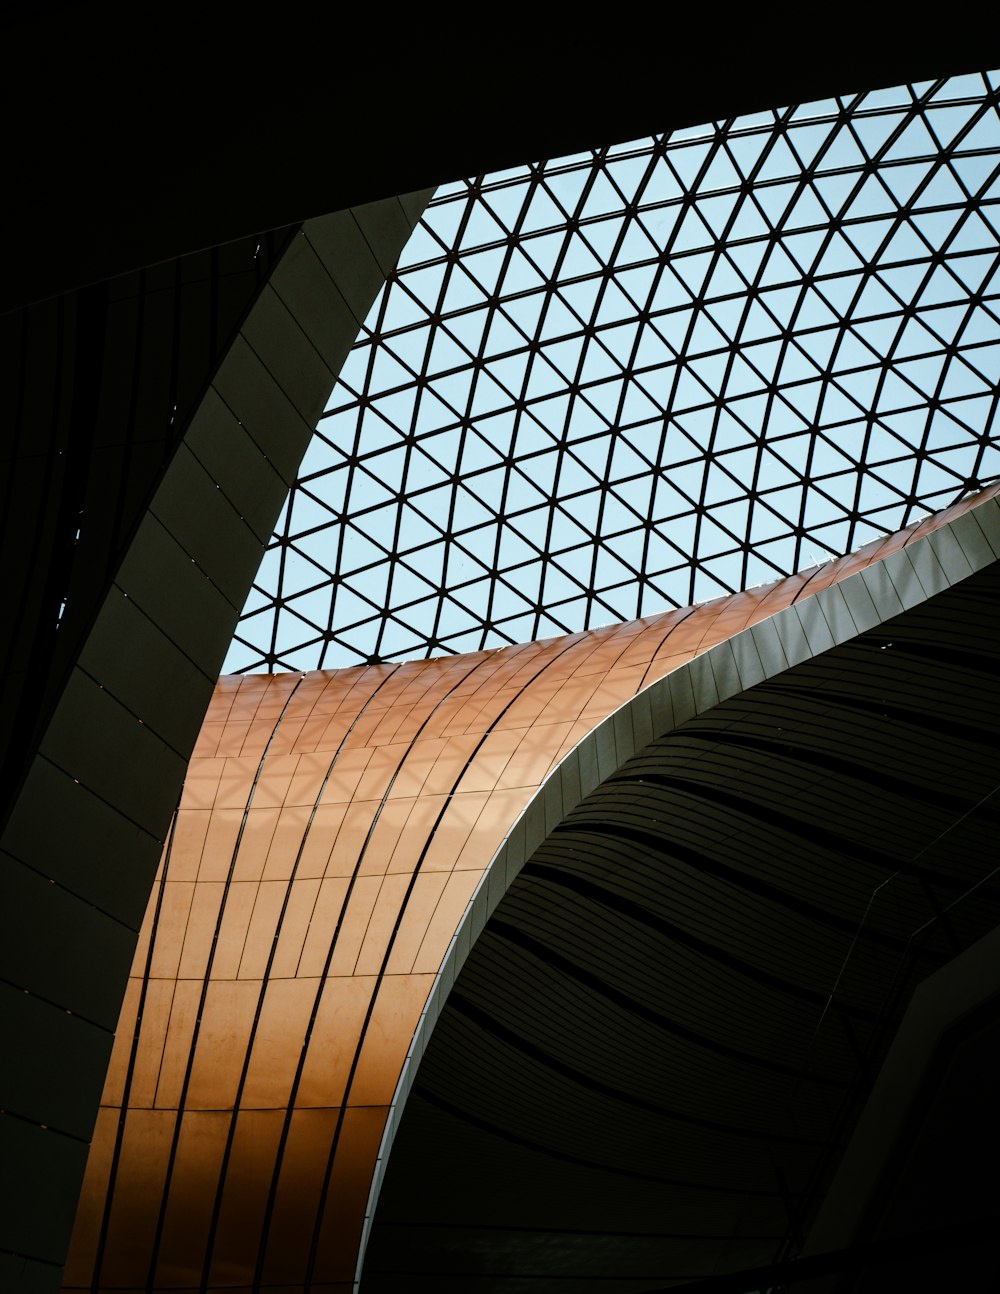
<point x="294" y="926"/>
<point x="152" y="1037"/>
<point x="139" y="1187"/>
<point x="343" y="1217"/>
<point x="290" y="828"/>
<point x="386" y="913"/>
<point x="175" y="910"/>
<point x="262" y="932"/>
<point x="428" y="888"/>
<point x="188" y="841"/>
<point x="177" y="1042"/>
<point x="358" y="911"/>
<point x="397" y="1008"/>
<point x="424" y="812"/>
<point x="440" y="927"/>
<point x="256" y="1136"/>
<point x="318" y="846"/>
<point x="196" y="1166"/>
<point x="206" y="908"/>
<point x="223" y="1039"/>
<point x="278" y="1038"/>
<point x="453" y="830"/>
<point x="299" y="1185"/>
<point x="220" y="842"/>
<point x="323" y="923"/>
<point x="233" y="928"/>
<point x="336" y="1033"/>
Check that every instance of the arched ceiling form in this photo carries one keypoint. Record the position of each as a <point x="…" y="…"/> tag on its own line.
<point x="604" y="385"/>
<point x="651" y="1058"/>
<point x="343" y="837"/>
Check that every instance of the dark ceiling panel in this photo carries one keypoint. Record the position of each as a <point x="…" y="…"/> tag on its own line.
<point x="132" y="149"/>
<point x="694" y="980"/>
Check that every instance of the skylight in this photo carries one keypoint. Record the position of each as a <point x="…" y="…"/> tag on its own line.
<point x="605" y="385"/>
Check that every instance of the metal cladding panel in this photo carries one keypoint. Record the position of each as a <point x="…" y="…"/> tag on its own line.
<point x="324" y="869"/>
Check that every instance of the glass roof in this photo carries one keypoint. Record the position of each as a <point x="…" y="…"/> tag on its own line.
<point x="645" y="376"/>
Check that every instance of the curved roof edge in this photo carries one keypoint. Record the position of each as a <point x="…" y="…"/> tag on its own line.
<point x="842" y="600"/>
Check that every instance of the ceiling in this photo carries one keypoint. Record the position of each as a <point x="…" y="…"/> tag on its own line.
<point x="650" y="374"/>
<point x="655" y="1052"/>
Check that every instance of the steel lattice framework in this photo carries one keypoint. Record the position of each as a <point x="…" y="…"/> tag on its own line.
<point x="649" y="375"/>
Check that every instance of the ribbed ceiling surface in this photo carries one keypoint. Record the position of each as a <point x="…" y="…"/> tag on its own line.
<point x="603" y="385"/>
<point x="655" y="1051"/>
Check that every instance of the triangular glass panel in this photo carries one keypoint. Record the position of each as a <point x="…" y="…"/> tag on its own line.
<point x="983" y="134"/>
<point x="602" y="199"/>
<point x="942" y="190"/>
<point x="691" y="234"/>
<point x="808" y="140"/>
<point x="485" y="268"/>
<point x="556" y="321"/>
<point x="481" y="228"/>
<point x="726" y="291"/>
<point x="637" y="283"/>
<point x="749" y="223"/>
<point x="780" y="162"/>
<point x="567" y="188"/>
<point x="748" y="257"/>
<point x="300" y="573"/>
<point x="775" y="201"/>
<point x="444" y="218"/>
<point x="962" y="380"/>
<point x="972" y="235"/>
<point x="415" y="531"/>
<point x="779" y="269"/>
<point x="581" y="297"/>
<point x="522" y="277"/>
<point x="721" y="174"/>
<point x="687" y="160"/>
<point x="426" y="284"/>
<point x="746" y="150"/>
<point x="974" y="173"/>
<point x="628" y="174"/>
<point x="874" y="131"/>
<point x="541" y="213"/>
<point x="914" y="141"/>
<point x="692" y="270"/>
<point x="506" y="204"/>
<point x="578" y="259"/>
<point x="564" y="356"/>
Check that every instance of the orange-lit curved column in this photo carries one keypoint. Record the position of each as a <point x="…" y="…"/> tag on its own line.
<point x="332" y="831"/>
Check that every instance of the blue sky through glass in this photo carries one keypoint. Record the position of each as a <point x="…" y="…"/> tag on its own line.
<point x="604" y="385"/>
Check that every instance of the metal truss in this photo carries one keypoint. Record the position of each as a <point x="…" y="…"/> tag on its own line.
<point x="637" y="378"/>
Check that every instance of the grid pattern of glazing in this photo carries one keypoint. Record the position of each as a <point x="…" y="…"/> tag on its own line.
<point x="649" y="375"/>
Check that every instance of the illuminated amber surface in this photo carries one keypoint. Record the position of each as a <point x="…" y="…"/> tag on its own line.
<point x="332" y="831"/>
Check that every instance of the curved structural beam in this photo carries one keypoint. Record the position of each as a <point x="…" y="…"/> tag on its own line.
<point x="651" y="1056"/>
<point x="87" y="826"/>
<point x="341" y="841"/>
